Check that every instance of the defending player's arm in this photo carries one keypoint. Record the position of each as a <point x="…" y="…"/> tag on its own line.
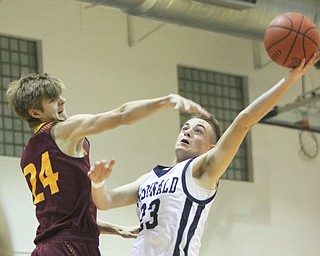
<point x="79" y="126"/>
<point x="105" y="198"/>
<point x="214" y="163"/>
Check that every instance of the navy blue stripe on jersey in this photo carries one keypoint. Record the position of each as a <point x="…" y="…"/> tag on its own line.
<point x="183" y="222"/>
<point x="193" y="227"/>
<point x="160" y="170"/>
<point x="185" y="189"/>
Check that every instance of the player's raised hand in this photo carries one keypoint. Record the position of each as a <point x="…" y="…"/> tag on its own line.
<point x="187" y="105"/>
<point x="304" y="67"/>
<point x="100" y="171"/>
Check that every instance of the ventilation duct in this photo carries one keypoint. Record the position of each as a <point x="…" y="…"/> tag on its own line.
<point x="216" y="15"/>
<point x="232" y="4"/>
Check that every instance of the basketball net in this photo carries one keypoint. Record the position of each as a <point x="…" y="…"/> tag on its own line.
<point x="309" y="145"/>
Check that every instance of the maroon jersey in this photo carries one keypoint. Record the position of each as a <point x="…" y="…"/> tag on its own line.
<point x="60" y="187"/>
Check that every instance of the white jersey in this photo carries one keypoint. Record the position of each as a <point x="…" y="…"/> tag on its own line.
<point x="172" y="210"/>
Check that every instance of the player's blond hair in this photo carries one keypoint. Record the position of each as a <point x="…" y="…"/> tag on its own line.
<point x="29" y="92"/>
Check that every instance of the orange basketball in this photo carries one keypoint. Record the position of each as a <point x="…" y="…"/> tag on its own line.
<point x="290" y="37"/>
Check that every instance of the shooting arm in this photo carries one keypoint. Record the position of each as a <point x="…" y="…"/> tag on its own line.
<point x="214" y="163"/>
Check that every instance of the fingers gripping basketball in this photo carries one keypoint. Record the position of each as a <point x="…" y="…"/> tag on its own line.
<point x="290" y="37"/>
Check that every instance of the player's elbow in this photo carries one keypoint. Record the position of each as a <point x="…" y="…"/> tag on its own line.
<point x="102" y="207"/>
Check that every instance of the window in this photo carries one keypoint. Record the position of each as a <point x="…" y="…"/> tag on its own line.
<point x="224" y="96"/>
<point x="17" y="57"/>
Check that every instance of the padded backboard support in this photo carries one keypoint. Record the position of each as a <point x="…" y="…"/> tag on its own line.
<point x="302" y="114"/>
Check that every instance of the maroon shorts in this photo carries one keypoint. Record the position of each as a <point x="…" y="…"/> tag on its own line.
<point x="67" y="247"/>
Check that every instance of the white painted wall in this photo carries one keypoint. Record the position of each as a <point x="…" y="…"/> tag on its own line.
<point x="277" y="214"/>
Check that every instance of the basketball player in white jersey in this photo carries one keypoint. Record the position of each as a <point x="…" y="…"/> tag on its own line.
<point x="173" y="202"/>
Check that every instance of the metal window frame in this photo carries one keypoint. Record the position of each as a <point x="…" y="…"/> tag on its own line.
<point x="14" y="132"/>
<point x="219" y="90"/>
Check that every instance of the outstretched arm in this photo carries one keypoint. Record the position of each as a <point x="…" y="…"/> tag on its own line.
<point x="211" y="165"/>
<point x="112" y="229"/>
<point x="79" y="126"/>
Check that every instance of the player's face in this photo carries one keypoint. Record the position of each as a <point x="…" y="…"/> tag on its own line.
<point x="53" y="110"/>
<point x="194" y="139"/>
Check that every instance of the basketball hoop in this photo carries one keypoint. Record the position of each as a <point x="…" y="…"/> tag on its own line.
<point x="309" y="144"/>
<point x="304" y="124"/>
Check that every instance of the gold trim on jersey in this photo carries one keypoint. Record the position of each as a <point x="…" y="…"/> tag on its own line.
<point x="42" y="126"/>
<point x="47" y="125"/>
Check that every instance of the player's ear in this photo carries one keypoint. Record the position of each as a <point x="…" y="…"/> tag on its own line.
<point x="34" y="113"/>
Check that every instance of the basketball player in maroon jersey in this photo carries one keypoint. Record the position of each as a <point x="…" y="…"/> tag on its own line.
<point x="55" y="161"/>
